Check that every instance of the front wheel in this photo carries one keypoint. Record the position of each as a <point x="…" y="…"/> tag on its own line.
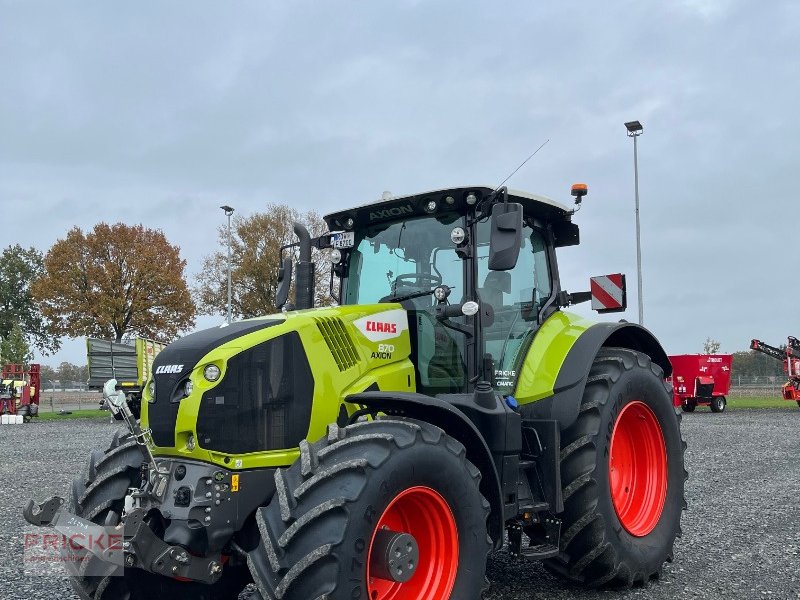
<point x="380" y="510"/>
<point x="688" y="405"/>
<point x="718" y="404"/>
<point x="623" y="475"/>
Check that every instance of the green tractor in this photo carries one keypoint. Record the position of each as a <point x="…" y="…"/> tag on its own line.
<point x="379" y="449"/>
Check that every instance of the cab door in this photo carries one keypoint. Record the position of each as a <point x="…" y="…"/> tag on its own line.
<point x="515" y="297"/>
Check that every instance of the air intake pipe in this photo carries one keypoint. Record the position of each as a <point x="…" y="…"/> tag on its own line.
<point x="304" y="287"/>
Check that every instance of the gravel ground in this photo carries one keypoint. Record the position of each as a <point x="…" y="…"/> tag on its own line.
<point x="741" y="533"/>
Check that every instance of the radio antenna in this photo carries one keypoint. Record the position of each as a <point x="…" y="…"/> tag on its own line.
<point x="522" y="165"/>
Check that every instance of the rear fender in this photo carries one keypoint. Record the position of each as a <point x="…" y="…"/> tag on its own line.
<point x="570" y="382"/>
<point x="457" y="425"/>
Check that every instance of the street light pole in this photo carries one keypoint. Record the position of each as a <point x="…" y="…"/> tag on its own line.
<point x="635" y="130"/>
<point x="228" y="212"/>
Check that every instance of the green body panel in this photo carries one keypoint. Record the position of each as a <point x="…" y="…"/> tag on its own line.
<point x="385" y="363"/>
<point x="546" y="355"/>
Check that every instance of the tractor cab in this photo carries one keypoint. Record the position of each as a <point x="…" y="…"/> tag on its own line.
<point x="447" y="255"/>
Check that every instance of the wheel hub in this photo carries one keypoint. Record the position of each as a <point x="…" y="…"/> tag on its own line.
<point x="395" y="556"/>
<point x="413" y="554"/>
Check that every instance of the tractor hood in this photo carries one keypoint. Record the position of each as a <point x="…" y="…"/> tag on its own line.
<point x="281" y="378"/>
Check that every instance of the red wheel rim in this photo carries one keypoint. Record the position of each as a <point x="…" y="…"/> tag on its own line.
<point x="424" y="514"/>
<point x="638" y="469"/>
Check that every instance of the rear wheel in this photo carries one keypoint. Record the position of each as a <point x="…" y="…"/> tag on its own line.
<point x="718" y="404"/>
<point x="688" y="405"/>
<point x="380" y="510"/>
<point x="623" y="474"/>
<point x="98" y="495"/>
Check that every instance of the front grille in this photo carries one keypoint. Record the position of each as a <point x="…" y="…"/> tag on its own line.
<point x="339" y="342"/>
<point x="262" y="403"/>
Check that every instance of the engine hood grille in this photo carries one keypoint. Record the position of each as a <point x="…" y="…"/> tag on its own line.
<point x="174" y="363"/>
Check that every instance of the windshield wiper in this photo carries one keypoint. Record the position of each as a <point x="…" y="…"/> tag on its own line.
<point x="412" y="295"/>
<point x="409" y="296"/>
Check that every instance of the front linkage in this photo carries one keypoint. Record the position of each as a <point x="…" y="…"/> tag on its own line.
<point x="138" y="543"/>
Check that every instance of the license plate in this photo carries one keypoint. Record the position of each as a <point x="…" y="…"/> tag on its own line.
<point x="346" y="239"/>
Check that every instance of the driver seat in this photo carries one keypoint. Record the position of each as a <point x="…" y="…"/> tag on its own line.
<point x="495" y="285"/>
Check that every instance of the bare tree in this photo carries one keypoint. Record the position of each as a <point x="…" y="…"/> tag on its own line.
<point x="711" y="346"/>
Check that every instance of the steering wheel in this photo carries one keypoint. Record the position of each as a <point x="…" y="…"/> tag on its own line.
<point x="430" y="278"/>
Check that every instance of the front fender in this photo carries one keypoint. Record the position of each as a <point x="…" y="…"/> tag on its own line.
<point x="457" y="425"/>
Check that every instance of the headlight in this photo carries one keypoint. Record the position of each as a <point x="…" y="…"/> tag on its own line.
<point x="152" y="388"/>
<point x="212" y="372"/>
<point x="336" y="256"/>
<point x="188" y="387"/>
<point x="458" y="235"/>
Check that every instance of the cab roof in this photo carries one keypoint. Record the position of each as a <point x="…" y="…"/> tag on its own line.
<point x="414" y="205"/>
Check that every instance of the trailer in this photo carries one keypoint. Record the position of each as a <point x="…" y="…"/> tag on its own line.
<point x="790" y="355"/>
<point x="130" y="362"/>
<point x="19" y="393"/>
<point x="701" y="380"/>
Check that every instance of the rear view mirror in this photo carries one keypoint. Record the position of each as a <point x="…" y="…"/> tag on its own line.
<point x="609" y="293"/>
<point x="506" y="236"/>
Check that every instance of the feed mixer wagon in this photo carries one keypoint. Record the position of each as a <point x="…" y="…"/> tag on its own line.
<point x="701" y="380"/>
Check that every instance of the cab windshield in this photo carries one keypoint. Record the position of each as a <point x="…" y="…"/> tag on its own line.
<point x="404" y="258"/>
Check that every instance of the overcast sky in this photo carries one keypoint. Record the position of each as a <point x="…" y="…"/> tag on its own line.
<point x="158" y="112"/>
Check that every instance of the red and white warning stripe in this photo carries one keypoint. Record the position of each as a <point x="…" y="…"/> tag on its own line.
<point x="608" y="292"/>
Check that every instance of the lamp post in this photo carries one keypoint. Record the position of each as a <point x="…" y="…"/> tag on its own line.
<point x="228" y="212"/>
<point x="635" y="130"/>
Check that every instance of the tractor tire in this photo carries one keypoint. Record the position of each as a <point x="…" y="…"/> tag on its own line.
<point x="718" y="404"/>
<point x="623" y="474"/>
<point x="688" y="406"/>
<point x="319" y="534"/>
<point x="798" y="404"/>
<point x="98" y="495"/>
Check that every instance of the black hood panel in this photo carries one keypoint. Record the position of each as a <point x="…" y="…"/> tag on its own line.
<point x="176" y="361"/>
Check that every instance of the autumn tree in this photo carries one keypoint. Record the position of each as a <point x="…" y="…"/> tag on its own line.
<point x="255" y="258"/>
<point x="115" y="281"/>
<point x="19" y="268"/>
<point x="13" y="347"/>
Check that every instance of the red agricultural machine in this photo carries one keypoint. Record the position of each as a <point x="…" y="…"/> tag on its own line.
<point x="790" y="355"/>
<point x="701" y="379"/>
<point x="19" y="391"/>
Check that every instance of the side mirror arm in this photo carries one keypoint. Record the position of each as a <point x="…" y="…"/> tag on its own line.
<point x="284" y="283"/>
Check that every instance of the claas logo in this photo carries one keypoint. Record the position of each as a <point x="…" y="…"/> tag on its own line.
<point x="381" y="327"/>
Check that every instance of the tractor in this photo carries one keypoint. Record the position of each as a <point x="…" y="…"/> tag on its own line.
<point x="445" y="406"/>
